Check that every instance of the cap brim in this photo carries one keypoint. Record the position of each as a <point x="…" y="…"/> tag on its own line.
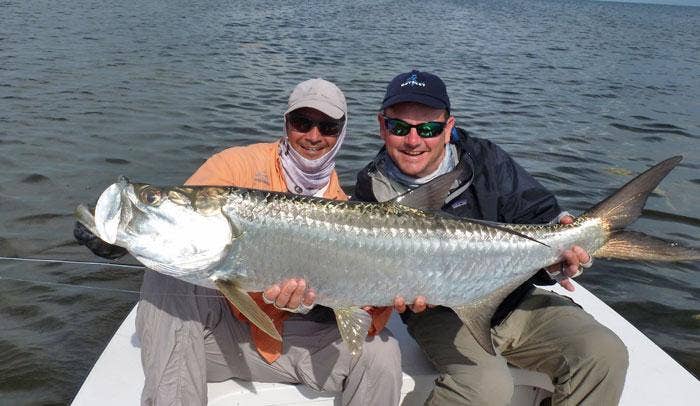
<point x="321" y="105"/>
<point x="429" y="101"/>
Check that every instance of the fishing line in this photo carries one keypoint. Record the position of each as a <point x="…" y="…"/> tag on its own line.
<point x="97" y="288"/>
<point x="64" y="261"/>
<point x="69" y="285"/>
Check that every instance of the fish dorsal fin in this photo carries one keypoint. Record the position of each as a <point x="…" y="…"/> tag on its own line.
<point x="353" y="323"/>
<point x="431" y="196"/>
<point x="477" y="315"/>
<point x="247" y="306"/>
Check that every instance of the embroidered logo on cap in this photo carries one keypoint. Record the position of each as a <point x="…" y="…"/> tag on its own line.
<point x="413" y="81"/>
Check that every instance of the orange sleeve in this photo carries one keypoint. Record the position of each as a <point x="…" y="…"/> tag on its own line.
<point x="227" y="168"/>
<point x="380" y="316"/>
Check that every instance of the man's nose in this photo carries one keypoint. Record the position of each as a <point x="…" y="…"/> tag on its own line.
<point x="412" y="138"/>
<point x="314" y="135"/>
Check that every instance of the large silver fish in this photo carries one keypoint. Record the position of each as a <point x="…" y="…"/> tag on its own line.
<point x="356" y="254"/>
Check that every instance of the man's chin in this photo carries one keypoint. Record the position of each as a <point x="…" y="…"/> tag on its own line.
<point x="312" y="155"/>
<point x="411" y="169"/>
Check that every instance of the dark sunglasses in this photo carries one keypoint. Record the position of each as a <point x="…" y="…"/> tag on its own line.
<point x="401" y="128"/>
<point x="303" y="124"/>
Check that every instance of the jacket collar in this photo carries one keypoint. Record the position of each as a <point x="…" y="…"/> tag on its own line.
<point x="385" y="188"/>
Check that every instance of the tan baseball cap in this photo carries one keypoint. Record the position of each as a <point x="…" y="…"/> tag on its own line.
<point x="318" y="94"/>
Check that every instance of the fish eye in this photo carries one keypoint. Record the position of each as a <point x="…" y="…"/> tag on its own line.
<point x="150" y="196"/>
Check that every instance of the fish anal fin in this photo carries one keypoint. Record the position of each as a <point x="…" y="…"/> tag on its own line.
<point x="247" y="306"/>
<point x="353" y="323"/>
<point x="478" y="322"/>
<point x="631" y="245"/>
<point x="477" y="315"/>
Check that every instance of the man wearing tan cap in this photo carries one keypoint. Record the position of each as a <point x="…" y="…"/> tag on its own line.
<point x="191" y="335"/>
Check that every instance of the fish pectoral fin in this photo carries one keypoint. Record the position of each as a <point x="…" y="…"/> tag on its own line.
<point x="353" y="323"/>
<point x="637" y="246"/>
<point x="478" y="322"/>
<point x="247" y="306"/>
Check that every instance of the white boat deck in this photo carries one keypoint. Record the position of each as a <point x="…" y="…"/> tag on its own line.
<point x="653" y="378"/>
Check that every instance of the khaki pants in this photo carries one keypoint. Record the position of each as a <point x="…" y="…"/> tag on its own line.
<point x="189" y="337"/>
<point x="547" y="332"/>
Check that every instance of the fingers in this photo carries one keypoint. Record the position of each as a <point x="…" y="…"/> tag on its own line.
<point x="270" y="294"/>
<point x="297" y="288"/>
<point x="573" y="259"/>
<point x="568" y="219"/>
<point x="567" y="284"/>
<point x="585" y="260"/>
<point x="570" y="263"/>
<point x="290" y="293"/>
<point x="571" y="266"/>
<point x="419" y="304"/>
<point x="399" y="304"/>
<point x="309" y="297"/>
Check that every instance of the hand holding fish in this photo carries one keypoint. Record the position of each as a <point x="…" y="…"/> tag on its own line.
<point x="291" y="295"/>
<point x="575" y="259"/>
<point x="420" y="303"/>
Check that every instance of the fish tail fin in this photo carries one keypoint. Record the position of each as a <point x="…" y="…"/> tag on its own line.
<point x="630" y="245"/>
<point x="624" y="207"/>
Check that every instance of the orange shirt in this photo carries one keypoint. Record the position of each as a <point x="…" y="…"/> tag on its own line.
<point x="257" y="166"/>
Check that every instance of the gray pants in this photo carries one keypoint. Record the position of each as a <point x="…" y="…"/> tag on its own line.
<point x="190" y="337"/>
<point x="547" y="332"/>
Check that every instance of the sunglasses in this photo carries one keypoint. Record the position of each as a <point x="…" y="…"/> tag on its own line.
<point x="303" y="124"/>
<point x="401" y="128"/>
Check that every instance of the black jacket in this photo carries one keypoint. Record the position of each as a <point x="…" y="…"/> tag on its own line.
<point x="501" y="191"/>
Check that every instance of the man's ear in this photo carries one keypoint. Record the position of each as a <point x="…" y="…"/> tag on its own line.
<point x="447" y="133"/>
<point x="382" y="127"/>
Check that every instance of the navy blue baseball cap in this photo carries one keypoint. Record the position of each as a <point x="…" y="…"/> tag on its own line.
<point x="418" y="87"/>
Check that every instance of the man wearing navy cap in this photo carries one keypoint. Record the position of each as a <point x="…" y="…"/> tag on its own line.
<point x="532" y="328"/>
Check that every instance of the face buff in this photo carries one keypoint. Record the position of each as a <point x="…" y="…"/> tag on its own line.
<point x="449" y="161"/>
<point x="305" y="176"/>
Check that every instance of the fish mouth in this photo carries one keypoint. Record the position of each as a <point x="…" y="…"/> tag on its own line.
<point x="108" y="211"/>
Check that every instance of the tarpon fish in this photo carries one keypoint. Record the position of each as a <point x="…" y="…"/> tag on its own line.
<point x="357" y="254"/>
